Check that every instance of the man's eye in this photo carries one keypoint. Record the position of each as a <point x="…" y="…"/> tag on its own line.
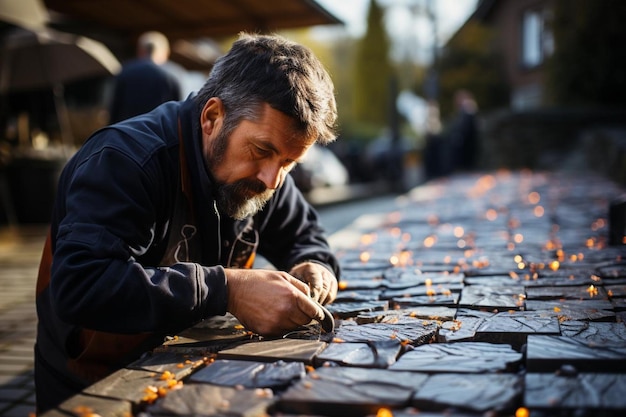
<point x="261" y="151"/>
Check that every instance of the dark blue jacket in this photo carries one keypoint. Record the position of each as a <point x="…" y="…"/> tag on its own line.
<point x="104" y="293"/>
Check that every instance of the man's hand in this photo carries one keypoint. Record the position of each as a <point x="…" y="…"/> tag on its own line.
<point x="322" y="282"/>
<point x="270" y="302"/>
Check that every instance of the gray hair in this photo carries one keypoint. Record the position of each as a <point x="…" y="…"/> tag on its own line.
<point x="270" y="69"/>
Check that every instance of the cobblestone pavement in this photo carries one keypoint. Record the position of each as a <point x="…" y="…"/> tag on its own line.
<point x="492" y="294"/>
<point x="20" y="250"/>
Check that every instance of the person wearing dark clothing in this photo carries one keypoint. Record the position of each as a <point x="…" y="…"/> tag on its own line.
<point x="158" y="219"/>
<point x="143" y="83"/>
<point x="464" y="133"/>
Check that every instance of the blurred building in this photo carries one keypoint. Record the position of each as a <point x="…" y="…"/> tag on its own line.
<point x="538" y="129"/>
<point x="524" y="41"/>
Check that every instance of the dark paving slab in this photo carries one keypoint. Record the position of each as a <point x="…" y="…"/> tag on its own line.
<point x="470" y="357"/>
<point x="342" y="391"/>
<point x="498" y="393"/>
<point x="273" y="350"/>
<point x="375" y="354"/>
<point x="553" y="393"/>
<point x="250" y="374"/>
<point x="551" y="353"/>
<point x="210" y="400"/>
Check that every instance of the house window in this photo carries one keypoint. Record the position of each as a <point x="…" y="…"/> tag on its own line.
<point x="537" y="40"/>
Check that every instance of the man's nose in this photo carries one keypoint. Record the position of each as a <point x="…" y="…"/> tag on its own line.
<point x="271" y="174"/>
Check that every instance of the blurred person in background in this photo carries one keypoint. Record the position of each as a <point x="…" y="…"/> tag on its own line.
<point x="144" y="82"/>
<point x="464" y="133"/>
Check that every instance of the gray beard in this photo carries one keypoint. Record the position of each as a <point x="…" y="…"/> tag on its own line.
<point x="243" y="198"/>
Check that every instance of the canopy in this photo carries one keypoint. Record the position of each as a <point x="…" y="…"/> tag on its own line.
<point x="190" y="19"/>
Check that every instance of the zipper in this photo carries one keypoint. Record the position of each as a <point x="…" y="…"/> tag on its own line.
<point x="219" y="233"/>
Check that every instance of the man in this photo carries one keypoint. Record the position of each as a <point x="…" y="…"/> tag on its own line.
<point x="144" y="82"/>
<point x="158" y="219"/>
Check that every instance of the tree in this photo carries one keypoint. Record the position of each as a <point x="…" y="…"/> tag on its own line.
<point x="588" y="65"/>
<point x="372" y="73"/>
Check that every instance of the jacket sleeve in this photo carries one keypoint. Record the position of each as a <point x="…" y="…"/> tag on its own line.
<point x="291" y="232"/>
<point x="107" y="221"/>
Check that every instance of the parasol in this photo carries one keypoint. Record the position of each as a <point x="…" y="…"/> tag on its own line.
<point x="44" y="58"/>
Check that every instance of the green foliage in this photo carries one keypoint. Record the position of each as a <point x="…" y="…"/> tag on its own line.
<point x="470" y="62"/>
<point x="589" y="64"/>
<point x="372" y="72"/>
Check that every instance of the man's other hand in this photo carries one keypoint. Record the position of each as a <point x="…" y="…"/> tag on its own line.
<point x="321" y="281"/>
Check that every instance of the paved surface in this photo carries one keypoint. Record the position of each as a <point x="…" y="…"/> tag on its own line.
<point x="499" y="216"/>
<point x="20" y="250"/>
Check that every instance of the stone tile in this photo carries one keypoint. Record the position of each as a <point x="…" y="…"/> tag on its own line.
<point x="81" y="405"/>
<point x="249" y="374"/>
<point x="179" y="365"/>
<point x="359" y="284"/>
<point x="273" y="350"/>
<point x="591" y="310"/>
<point x="19" y="410"/>
<point x="200" y="400"/>
<point x="362" y="278"/>
<point x="513" y="327"/>
<point x="342" y="391"/>
<point x="580" y="292"/>
<point x="550" y="353"/>
<point x="507" y="297"/>
<point x="469" y="392"/>
<point x="8" y="394"/>
<point x="423" y="290"/>
<point x="596" y="393"/>
<point x="463" y="328"/>
<point x="496" y="280"/>
<point x="401" y="278"/>
<point x="447" y="299"/>
<point x="617" y="291"/>
<point x="438" y="313"/>
<point x="611" y="270"/>
<point x="575" y="278"/>
<point x="374" y="267"/>
<point x="126" y="384"/>
<point x="13" y="380"/>
<point x="16" y="367"/>
<point x="408" y="330"/>
<point x="375" y="354"/>
<point x="413" y="412"/>
<point x="460" y="357"/>
<point x="357" y="296"/>
<point x="208" y="337"/>
<point x="595" y="333"/>
<point x="344" y="310"/>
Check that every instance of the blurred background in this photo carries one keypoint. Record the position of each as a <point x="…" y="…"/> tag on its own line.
<point x="425" y="88"/>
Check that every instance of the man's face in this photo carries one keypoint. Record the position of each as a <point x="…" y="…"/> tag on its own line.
<point x="252" y="162"/>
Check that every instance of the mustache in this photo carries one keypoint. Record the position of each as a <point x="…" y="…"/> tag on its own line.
<point x="248" y="185"/>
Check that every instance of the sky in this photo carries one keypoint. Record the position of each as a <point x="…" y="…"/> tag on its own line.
<point x="411" y="32"/>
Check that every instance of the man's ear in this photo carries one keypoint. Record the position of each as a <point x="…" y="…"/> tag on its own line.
<point x="212" y="115"/>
